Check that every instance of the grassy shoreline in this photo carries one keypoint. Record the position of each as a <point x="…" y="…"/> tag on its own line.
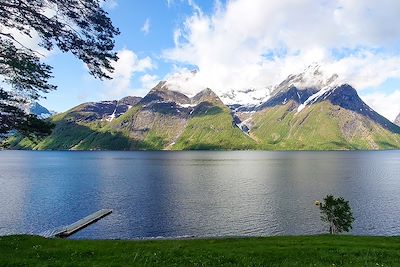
<point x="320" y="250"/>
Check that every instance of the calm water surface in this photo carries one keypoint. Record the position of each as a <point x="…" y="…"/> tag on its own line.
<point x="173" y="194"/>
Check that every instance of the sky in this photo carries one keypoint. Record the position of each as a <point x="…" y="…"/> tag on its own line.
<point x="241" y="44"/>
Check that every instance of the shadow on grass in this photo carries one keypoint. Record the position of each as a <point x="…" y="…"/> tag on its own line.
<point x="69" y="135"/>
<point x="206" y="109"/>
<point x="387" y="145"/>
<point x="202" y="146"/>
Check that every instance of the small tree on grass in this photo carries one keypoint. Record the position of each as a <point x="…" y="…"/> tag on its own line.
<point x="337" y="213"/>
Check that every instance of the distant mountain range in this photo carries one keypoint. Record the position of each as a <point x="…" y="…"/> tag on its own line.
<point x="307" y="111"/>
<point x="36" y="109"/>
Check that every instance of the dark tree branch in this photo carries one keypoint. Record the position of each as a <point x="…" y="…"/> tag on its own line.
<point x="81" y="27"/>
<point x="9" y="35"/>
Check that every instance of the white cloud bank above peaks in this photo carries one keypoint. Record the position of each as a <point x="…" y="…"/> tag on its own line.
<point x="256" y="43"/>
<point x="125" y="68"/>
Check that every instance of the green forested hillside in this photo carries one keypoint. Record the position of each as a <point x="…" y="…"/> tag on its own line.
<point x="321" y="126"/>
<point x="213" y="130"/>
<point x="210" y="125"/>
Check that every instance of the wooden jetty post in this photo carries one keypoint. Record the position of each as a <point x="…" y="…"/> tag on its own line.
<point x="82" y="223"/>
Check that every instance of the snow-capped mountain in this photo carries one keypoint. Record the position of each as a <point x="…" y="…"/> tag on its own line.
<point x="307" y="83"/>
<point x="163" y="99"/>
<point x="312" y="83"/>
<point x="302" y="88"/>
<point x="312" y="86"/>
<point x="189" y="83"/>
<point x="314" y="77"/>
<point x="312" y="110"/>
<point x="38" y="110"/>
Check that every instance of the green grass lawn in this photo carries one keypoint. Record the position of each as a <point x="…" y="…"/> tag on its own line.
<point x="270" y="251"/>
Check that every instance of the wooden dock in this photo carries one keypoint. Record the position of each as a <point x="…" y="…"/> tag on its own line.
<point x="82" y="223"/>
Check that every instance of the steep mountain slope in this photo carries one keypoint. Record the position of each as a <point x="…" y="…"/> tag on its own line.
<point x="163" y="119"/>
<point x="104" y="110"/>
<point x="312" y="110"/>
<point x="82" y="128"/>
<point x="321" y="126"/>
<point x="211" y="126"/>
<point x="158" y="119"/>
<point x="321" y="114"/>
<point x="170" y="120"/>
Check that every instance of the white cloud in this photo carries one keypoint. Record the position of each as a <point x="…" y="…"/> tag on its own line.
<point x="387" y="105"/>
<point x="185" y="81"/>
<point x="149" y="81"/>
<point x="177" y="36"/>
<point x="195" y="7"/>
<point x="124" y="69"/>
<point x="146" y="27"/>
<point x="256" y="43"/>
<point x="367" y="70"/>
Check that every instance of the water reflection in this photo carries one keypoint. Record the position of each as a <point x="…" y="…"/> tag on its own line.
<point x="196" y="193"/>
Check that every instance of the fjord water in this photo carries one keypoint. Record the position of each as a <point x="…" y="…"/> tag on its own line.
<point x="175" y="194"/>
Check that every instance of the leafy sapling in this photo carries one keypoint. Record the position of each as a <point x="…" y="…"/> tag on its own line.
<point x="336" y="212"/>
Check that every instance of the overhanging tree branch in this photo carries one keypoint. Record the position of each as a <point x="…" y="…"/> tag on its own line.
<point x="81" y="27"/>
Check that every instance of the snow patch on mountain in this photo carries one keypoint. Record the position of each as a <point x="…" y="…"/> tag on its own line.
<point x="243" y="126"/>
<point x="247" y="97"/>
<point x="188" y="83"/>
<point x="112" y="116"/>
<point x="187" y="105"/>
<point x="316" y="96"/>
<point x="314" y="76"/>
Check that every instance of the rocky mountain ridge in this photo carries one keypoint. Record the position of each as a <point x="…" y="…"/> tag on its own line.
<point x="103" y="110"/>
<point x="310" y="110"/>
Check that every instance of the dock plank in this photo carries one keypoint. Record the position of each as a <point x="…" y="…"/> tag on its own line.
<point x="82" y="223"/>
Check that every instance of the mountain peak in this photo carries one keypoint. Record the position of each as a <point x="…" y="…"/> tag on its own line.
<point x="36" y="109"/>
<point x="185" y="81"/>
<point x="162" y="93"/>
<point x="162" y="85"/>
<point x="313" y="77"/>
<point x="206" y="95"/>
<point x="303" y="88"/>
